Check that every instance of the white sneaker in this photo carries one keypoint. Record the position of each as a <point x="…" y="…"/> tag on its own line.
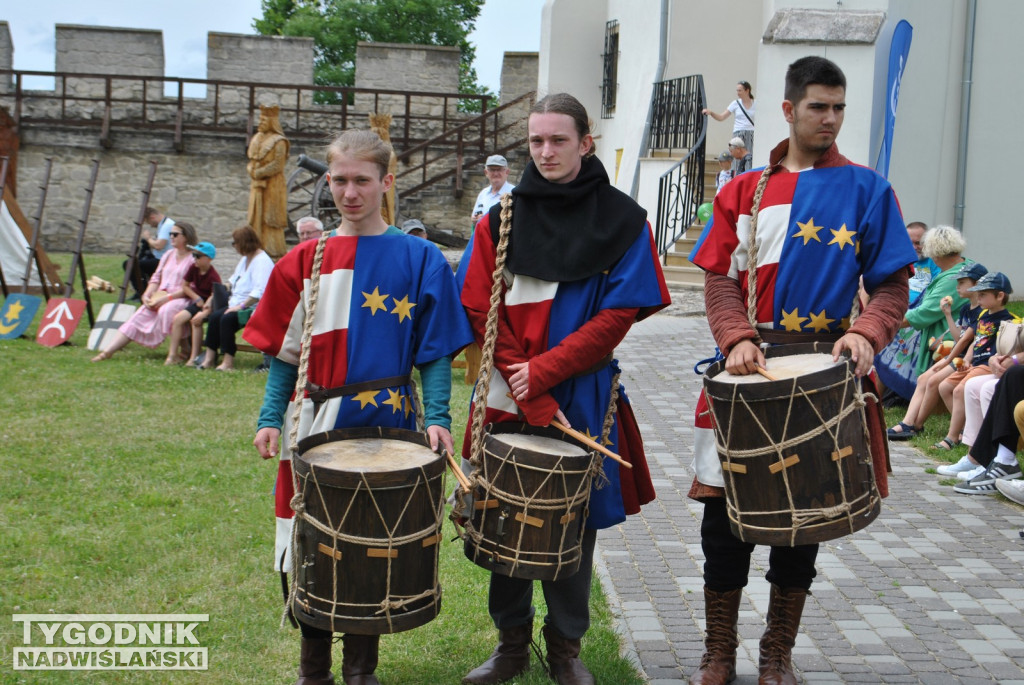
<point x="965" y="464"/>
<point x="974" y="472"/>
<point x="1012" y="489"/>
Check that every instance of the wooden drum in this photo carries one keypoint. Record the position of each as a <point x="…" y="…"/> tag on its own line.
<point x="795" y="452"/>
<point x="373" y="501"/>
<point x="530" y="503"/>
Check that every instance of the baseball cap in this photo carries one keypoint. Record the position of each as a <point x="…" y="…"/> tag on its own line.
<point x="204" y="248"/>
<point x="737" y="142"/>
<point x="725" y="157"/>
<point x="413" y="225"/>
<point x="496" y="160"/>
<point x="973" y="271"/>
<point x="993" y="280"/>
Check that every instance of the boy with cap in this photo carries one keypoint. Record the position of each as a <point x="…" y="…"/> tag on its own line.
<point x="496" y="169"/>
<point x="926" y="392"/>
<point x="198" y="287"/>
<point x="724" y="171"/>
<point x="993" y="291"/>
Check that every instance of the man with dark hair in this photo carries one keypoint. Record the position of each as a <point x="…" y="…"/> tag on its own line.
<point x="818" y="233"/>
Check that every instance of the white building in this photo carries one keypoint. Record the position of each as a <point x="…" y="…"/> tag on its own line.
<point x="955" y="149"/>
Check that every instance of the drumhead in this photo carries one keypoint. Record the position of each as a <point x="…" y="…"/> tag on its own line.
<point x="366" y="455"/>
<point x="783" y="367"/>
<point x="539" y="444"/>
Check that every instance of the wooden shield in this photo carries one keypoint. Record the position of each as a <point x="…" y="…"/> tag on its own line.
<point x="59" y="321"/>
<point x="17" y="313"/>
<point x="110" y="319"/>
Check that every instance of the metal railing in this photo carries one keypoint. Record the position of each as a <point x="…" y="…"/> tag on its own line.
<point x="446" y="155"/>
<point x="677" y="124"/>
<point x="109" y="102"/>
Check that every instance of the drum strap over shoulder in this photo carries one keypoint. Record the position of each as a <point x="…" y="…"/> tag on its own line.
<point x="320" y="394"/>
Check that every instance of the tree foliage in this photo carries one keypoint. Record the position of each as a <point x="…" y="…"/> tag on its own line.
<point x="336" y="26"/>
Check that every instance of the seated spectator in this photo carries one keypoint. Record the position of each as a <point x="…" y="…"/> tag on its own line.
<point x="163" y="298"/>
<point x="996" y="446"/>
<point x="924" y="266"/>
<point x="246" y="288"/>
<point x="908" y="356"/>
<point x="150" y="249"/>
<point x="1013" y="488"/>
<point x="926" y="394"/>
<point x="198" y="288"/>
<point x="993" y="293"/>
<point x="978" y="393"/>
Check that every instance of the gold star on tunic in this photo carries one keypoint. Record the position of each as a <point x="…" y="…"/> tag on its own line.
<point x="792" y="321"/>
<point x="394" y="400"/>
<point x="407" y="403"/>
<point x="808" y="231"/>
<point x="844" y="323"/>
<point x="842" y="237"/>
<point x="403" y="308"/>
<point x="375" y="301"/>
<point x="366" y="397"/>
<point x="819" y="322"/>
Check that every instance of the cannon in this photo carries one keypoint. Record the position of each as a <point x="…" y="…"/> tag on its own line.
<point x="308" y="195"/>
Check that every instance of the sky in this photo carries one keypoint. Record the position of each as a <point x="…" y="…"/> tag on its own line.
<point x="503" y="26"/>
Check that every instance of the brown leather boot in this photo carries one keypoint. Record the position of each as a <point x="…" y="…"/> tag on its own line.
<point x="359" y="659"/>
<point x="510" y="658"/>
<point x="721" y="613"/>
<point x="775" y="665"/>
<point x="564" y="659"/>
<point x="315" y="662"/>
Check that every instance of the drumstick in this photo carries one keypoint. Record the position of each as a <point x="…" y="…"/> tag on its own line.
<point x="457" y="470"/>
<point x="591" y="443"/>
<point x="764" y="372"/>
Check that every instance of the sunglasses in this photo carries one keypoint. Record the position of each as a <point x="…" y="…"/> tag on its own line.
<point x="175" y="235"/>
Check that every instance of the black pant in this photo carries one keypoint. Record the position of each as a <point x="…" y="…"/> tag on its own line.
<point x="221" y="327"/>
<point x="727" y="558"/>
<point x="147" y="266"/>
<point x="998" y="427"/>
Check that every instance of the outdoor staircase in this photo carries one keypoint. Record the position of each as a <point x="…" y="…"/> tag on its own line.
<point x="679" y="270"/>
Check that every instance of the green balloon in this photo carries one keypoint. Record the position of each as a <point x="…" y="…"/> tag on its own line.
<point x="704" y="212"/>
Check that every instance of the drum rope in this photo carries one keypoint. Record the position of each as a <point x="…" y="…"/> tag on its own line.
<point x="483" y="389"/>
<point x="753" y="247"/>
<point x="300" y="394"/>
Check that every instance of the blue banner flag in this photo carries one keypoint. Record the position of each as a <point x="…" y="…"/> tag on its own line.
<point x="899" y="50"/>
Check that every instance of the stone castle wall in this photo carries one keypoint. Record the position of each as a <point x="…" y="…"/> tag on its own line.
<point x="203" y="179"/>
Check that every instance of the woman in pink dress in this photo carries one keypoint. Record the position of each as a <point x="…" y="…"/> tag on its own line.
<point x="164" y="297"/>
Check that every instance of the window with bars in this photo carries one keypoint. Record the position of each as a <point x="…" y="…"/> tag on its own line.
<point x="609" y="85"/>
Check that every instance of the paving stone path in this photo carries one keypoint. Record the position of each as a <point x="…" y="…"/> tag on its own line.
<point x="931" y="592"/>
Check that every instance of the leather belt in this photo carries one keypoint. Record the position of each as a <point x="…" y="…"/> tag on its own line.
<point x="320" y="394"/>
<point x="776" y="337"/>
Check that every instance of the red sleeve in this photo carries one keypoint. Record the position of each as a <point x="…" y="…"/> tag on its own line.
<point x="539" y="410"/>
<point x="582" y="349"/>
<point x="727" y="312"/>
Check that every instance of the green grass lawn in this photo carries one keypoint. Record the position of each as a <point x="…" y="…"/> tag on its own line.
<point x="130" y="487"/>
